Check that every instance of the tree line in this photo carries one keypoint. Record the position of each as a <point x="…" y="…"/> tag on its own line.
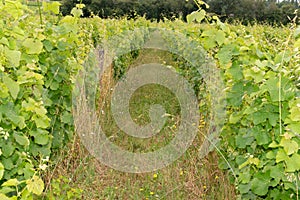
<point x="271" y="11"/>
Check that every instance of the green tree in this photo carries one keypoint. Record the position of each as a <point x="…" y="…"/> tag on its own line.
<point x="255" y="10"/>
<point x="152" y="9"/>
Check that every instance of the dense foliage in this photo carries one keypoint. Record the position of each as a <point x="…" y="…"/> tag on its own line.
<point x="152" y="9"/>
<point x="39" y="60"/>
<point x="255" y="10"/>
<point x="260" y="67"/>
<point x="243" y="10"/>
<point x="261" y="135"/>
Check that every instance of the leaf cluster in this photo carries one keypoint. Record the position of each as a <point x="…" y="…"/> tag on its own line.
<point x="38" y="66"/>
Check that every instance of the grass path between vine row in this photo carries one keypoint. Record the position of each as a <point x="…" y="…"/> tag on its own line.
<point x="187" y="178"/>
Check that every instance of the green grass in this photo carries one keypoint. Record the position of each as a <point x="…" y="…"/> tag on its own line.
<point x="187" y="178"/>
<point x="140" y="104"/>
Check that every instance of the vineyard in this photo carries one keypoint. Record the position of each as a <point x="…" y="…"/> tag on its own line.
<point x="245" y="78"/>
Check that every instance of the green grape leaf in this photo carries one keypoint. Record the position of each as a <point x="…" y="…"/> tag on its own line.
<point x="271" y="154"/>
<point x="4" y="197"/>
<point x="287" y="89"/>
<point x="281" y="57"/>
<point x="236" y="71"/>
<point x="40" y="150"/>
<point x="8" y="163"/>
<point x="243" y="141"/>
<point x="259" y="117"/>
<point x="53" y="7"/>
<point x="244" y="188"/>
<point x="41" y="139"/>
<point x="235" y="117"/>
<point x="272" y="86"/>
<point x="226" y="53"/>
<point x="48" y="45"/>
<point x="7" y="149"/>
<point x="293" y="163"/>
<point x="262" y="137"/>
<point x="281" y="156"/>
<point x="11" y="182"/>
<point x="33" y="46"/>
<point x="259" y="186"/>
<point x="80" y="5"/>
<point x="295" y="127"/>
<point x="77" y="12"/>
<point x="21" y="139"/>
<point x="220" y="37"/>
<point x="245" y="177"/>
<point x="12" y="86"/>
<point x="274" y="145"/>
<point x="277" y="171"/>
<point x="40" y="136"/>
<point x="234" y="97"/>
<point x="272" y="117"/>
<point x="15" y="8"/>
<point x="295" y="113"/>
<point x="277" y="194"/>
<point x="197" y="16"/>
<point x="208" y="43"/>
<point x="10" y="112"/>
<point x="41" y="122"/>
<point x="34" y="106"/>
<point x="289" y="185"/>
<point x="35" y="185"/>
<point x="255" y="73"/>
<point x="67" y="118"/>
<point x="13" y="57"/>
<point x="5" y="190"/>
<point x="3" y="91"/>
<point x="19" y="32"/>
<point x="289" y="146"/>
<point x="69" y="23"/>
<point x="4" y="41"/>
<point x="28" y="170"/>
<point x="54" y="85"/>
